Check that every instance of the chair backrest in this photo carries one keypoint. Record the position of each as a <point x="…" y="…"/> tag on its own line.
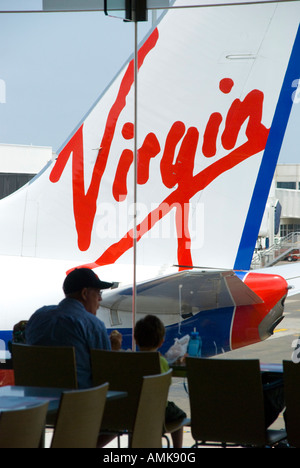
<point x="79" y="418"/>
<point x="23" y="428"/>
<point x="124" y="371"/>
<point x="44" y="366"/>
<point x="291" y="379"/>
<point x="147" y="430"/>
<point x="226" y="400"/>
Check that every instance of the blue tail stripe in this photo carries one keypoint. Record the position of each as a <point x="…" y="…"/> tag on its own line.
<point x="269" y="161"/>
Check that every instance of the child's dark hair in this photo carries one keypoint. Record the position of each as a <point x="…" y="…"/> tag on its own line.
<point x="149" y="332"/>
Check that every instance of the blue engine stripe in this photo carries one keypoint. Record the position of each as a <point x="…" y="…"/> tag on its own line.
<point x="213" y="326"/>
<point x="269" y="161"/>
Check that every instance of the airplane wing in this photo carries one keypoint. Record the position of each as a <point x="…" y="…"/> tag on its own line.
<point x="184" y="291"/>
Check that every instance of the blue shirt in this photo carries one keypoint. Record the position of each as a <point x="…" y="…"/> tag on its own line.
<point x="69" y="324"/>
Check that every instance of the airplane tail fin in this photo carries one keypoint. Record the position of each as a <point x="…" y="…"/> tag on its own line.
<point x="214" y="99"/>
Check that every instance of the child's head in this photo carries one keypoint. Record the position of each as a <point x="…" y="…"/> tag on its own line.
<point x="149" y="332"/>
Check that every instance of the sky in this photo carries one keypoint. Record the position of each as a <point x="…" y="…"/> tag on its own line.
<point x="54" y="66"/>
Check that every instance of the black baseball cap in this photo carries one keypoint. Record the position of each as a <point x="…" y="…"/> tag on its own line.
<point x="81" y="278"/>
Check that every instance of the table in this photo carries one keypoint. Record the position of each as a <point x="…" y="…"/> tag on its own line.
<point x="20" y="397"/>
<point x="271" y="367"/>
<point x="179" y="370"/>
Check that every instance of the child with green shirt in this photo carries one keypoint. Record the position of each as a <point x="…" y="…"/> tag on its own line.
<point x="149" y="334"/>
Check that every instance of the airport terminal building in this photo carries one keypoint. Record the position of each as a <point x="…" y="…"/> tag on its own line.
<point x="279" y="235"/>
<point x="19" y="164"/>
<point x="287" y="191"/>
<point x="282" y="213"/>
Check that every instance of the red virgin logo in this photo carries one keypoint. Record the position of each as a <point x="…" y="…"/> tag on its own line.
<point x="177" y="155"/>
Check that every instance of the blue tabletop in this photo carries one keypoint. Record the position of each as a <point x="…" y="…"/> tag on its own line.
<point x="19" y="397"/>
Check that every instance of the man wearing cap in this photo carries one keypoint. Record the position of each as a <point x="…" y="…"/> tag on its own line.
<point x="73" y="321"/>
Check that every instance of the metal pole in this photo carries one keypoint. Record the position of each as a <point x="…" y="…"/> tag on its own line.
<point x="135" y="180"/>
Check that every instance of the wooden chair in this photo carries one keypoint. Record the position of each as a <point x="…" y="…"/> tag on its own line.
<point x="44" y="366"/>
<point x="23" y="428"/>
<point x="227" y="403"/>
<point x="291" y="379"/>
<point x="79" y="418"/>
<point x="124" y="371"/>
<point x="150" y="415"/>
